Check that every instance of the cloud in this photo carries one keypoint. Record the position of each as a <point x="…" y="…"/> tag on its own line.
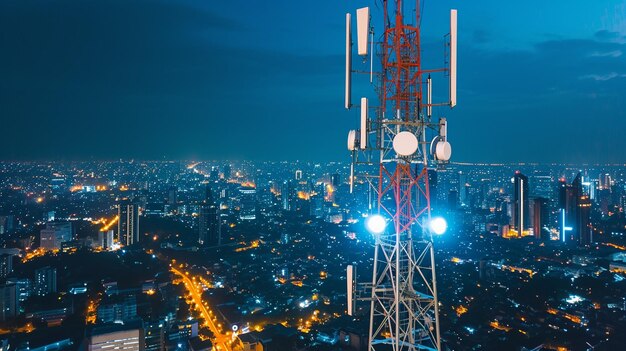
<point x="614" y="53"/>
<point x="543" y="98"/>
<point x="603" y="77"/>
<point x="607" y="35"/>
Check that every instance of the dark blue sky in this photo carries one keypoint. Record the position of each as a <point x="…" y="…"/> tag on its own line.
<point x="539" y="81"/>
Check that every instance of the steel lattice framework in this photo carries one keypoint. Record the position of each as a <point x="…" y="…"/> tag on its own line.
<point x="404" y="308"/>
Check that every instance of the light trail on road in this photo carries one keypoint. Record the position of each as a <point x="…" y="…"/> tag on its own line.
<point x="221" y="341"/>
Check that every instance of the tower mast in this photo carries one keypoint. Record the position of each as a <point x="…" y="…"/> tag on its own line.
<point x="404" y="311"/>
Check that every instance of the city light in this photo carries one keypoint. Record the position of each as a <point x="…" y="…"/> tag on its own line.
<point x="438" y="225"/>
<point x="376" y="224"/>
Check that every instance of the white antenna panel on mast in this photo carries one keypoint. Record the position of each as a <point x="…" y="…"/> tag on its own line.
<point x="453" y="41"/>
<point x="363" y="141"/>
<point x="348" y="97"/>
<point x="363" y="28"/>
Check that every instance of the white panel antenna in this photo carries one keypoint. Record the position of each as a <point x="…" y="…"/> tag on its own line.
<point x="443" y="128"/>
<point x="429" y="101"/>
<point x="348" y="97"/>
<point x="363" y="29"/>
<point x="363" y="140"/>
<point x="453" y="42"/>
<point x="350" y="289"/>
<point x="351" y="177"/>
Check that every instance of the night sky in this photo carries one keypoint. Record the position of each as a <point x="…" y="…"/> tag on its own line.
<point x="539" y="81"/>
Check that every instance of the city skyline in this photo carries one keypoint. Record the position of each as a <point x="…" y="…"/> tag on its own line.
<point x="365" y="175"/>
<point x="264" y="81"/>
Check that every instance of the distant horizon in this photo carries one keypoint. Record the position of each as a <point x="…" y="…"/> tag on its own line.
<point x="453" y="163"/>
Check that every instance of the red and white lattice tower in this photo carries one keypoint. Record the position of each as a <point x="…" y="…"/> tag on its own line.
<point x="400" y="139"/>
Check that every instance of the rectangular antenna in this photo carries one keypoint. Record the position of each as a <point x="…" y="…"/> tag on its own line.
<point x="429" y="101"/>
<point x="453" y="40"/>
<point x="348" y="96"/>
<point x="350" y="289"/>
<point x="443" y="128"/>
<point x="363" y="141"/>
<point x="363" y="28"/>
<point x="351" y="176"/>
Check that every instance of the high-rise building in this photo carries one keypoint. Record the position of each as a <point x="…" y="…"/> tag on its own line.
<point x="541" y="184"/>
<point x="45" y="281"/>
<point x="540" y="214"/>
<point x="335" y="180"/>
<point x="604" y="199"/>
<point x="6" y="264"/>
<point x="605" y="181"/>
<point x="55" y="234"/>
<point x="127" y="337"/>
<point x="298" y="174"/>
<point x="247" y="209"/>
<point x="209" y="226"/>
<point x="520" y="213"/>
<point x="214" y="174"/>
<point x="583" y="221"/>
<point x="117" y="308"/>
<point x="462" y="188"/>
<point x="23" y="288"/>
<point x="286" y="196"/>
<point x="105" y="239"/>
<point x="181" y="331"/>
<point x="154" y="333"/>
<point x="575" y="212"/>
<point x="227" y="171"/>
<point x="172" y="196"/>
<point x="6" y="224"/>
<point x="128" y="224"/>
<point x="453" y="199"/>
<point x="8" y="302"/>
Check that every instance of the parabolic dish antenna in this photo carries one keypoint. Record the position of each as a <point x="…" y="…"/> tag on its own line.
<point x="405" y="143"/>
<point x="443" y="151"/>
<point x="352" y="140"/>
<point x="433" y="145"/>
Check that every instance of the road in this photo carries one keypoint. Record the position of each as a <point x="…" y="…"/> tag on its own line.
<point x="220" y="341"/>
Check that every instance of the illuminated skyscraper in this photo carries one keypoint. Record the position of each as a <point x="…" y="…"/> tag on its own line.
<point x="520" y="213"/>
<point x="105" y="239"/>
<point x="575" y="212"/>
<point x="128" y="337"/>
<point x="128" y="224"/>
<point x="226" y="171"/>
<point x="335" y="180"/>
<point x="45" y="281"/>
<point x="286" y="195"/>
<point x="247" y="209"/>
<point x="209" y="228"/>
<point x="540" y="213"/>
<point x="583" y="221"/>
<point x="8" y="302"/>
<point x="172" y="196"/>
<point x="55" y="234"/>
<point x="214" y="175"/>
<point x="462" y="188"/>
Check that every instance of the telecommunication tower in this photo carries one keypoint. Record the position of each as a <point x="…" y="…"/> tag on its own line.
<point x="397" y="143"/>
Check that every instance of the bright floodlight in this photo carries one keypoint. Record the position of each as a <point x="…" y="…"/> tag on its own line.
<point x="376" y="224"/>
<point x="438" y="225"/>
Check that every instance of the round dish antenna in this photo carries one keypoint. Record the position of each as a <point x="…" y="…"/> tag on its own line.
<point x="405" y="143"/>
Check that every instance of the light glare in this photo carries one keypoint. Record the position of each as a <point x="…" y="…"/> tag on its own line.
<point x="376" y="224"/>
<point x="438" y="225"/>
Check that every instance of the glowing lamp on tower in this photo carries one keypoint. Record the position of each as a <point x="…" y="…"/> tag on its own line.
<point x="376" y="224"/>
<point x="438" y="225"/>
